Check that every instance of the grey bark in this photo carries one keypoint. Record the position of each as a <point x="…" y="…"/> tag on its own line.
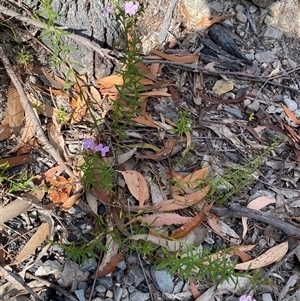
<point x="84" y="18"/>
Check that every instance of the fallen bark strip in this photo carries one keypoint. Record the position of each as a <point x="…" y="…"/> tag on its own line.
<point x="237" y="210"/>
<point x="27" y="108"/>
<point x="77" y="38"/>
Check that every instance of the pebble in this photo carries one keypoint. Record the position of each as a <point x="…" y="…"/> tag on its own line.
<point x="254" y="106"/>
<point x="253" y="9"/>
<point x="106" y="281"/>
<point x="291" y="104"/>
<point x="271" y="32"/>
<point x="137" y="274"/>
<point x="122" y="265"/>
<point x="80" y="295"/>
<point x="109" y="294"/>
<point x="100" y="288"/>
<point x="241" y="17"/>
<point x="163" y="280"/>
<point x="178" y="286"/>
<point x="264" y="56"/>
<point x="240" y="8"/>
<point x="217" y="6"/>
<point x="139" y="296"/>
<point x="117" y="294"/>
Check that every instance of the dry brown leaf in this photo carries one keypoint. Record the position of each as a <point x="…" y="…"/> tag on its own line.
<point x="194" y="179"/>
<point x="80" y="109"/>
<point x="272" y="255"/>
<point x="213" y="223"/>
<point x="144" y="121"/>
<point x="15" y="161"/>
<point x="195" y="292"/>
<point x="185" y="229"/>
<point x="185" y="59"/>
<point x="110" y="267"/>
<point x="157" y="93"/>
<point x="28" y="133"/>
<point x="57" y="140"/>
<point x="34" y="242"/>
<point x="165" y="151"/>
<point x="137" y="185"/>
<point x="13" y="209"/>
<point x="183" y="201"/>
<point x="145" y="70"/>
<point x="70" y="201"/>
<point x="15" y="111"/>
<point x="117" y="80"/>
<point x="207" y="21"/>
<point x="256" y="204"/>
<point x="162" y="219"/>
<point x="290" y="114"/>
<point x="60" y="189"/>
<point x="5" y="131"/>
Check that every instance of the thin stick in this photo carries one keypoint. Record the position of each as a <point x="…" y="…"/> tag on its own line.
<point x="7" y="274"/>
<point x="237" y="210"/>
<point x="29" y="110"/>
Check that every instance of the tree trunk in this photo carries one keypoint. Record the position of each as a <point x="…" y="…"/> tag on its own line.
<point x="84" y="18"/>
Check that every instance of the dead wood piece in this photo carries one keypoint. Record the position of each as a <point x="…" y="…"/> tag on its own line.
<point x="27" y="107"/>
<point x="271" y="219"/>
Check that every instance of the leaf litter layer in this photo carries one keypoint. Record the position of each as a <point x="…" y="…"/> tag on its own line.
<point x="161" y="171"/>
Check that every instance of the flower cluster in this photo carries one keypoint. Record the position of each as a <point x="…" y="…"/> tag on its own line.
<point x="246" y="298"/>
<point x="130" y="8"/>
<point x="88" y="143"/>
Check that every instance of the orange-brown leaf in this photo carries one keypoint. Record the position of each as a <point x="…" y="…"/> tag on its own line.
<point x="110" y="267"/>
<point x="192" y="224"/>
<point x="161" y="219"/>
<point x="137" y="185"/>
<point x="207" y="21"/>
<point x="185" y="59"/>
<point x="195" y="292"/>
<point x="290" y="114"/>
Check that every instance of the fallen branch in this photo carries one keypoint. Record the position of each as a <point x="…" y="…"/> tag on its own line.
<point x="27" y="107"/>
<point x="237" y="210"/>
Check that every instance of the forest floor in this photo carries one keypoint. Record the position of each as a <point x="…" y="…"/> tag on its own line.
<point x="210" y="160"/>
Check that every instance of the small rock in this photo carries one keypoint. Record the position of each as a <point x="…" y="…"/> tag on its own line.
<point x="264" y="56"/>
<point x="128" y="280"/>
<point x="178" y="286"/>
<point x="89" y="265"/>
<point x="235" y="112"/>
<point x="81" y="285"/>
<point x="100" y="288"/>
<point x="217" y="6"/>
<point x="240" y="8"/>
<point x="106" y="281"/>
<point x="122" y="265"/>
<point x="289" y="63"/>
<point x="252" y="9"/>
<point x="80" y="295"/>
<point x="72" y="272"/>
<point x="117" y="294"/>
<point x="267" y="297"/>
<point x="109" y="294"/>
<point x="254" y="106"/>
<point x="271" y="32"/>
<point x="268" y="20"/>
<point x="97" y="299"/>
<point x="241" y="17"/>
<point x="49" y="267"/>
<point x="163" y="280"/>
<point x="137" y="274"/>
<point x="222" y="86"/>
<point x="291" y="104"/>
<point x="139" y="296"/>
<point x="132" y="259"/>
<point x="131" y="289"/>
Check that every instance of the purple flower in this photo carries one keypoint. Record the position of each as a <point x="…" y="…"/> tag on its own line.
<point x="102" y="149"/>
<point x="88" y="143"/>
<point x="107" y="10"/>
<point x="131" y="8"/>
<point x="246" y="298"/>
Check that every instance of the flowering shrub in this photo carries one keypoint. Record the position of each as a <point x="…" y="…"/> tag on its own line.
<point x="246" y="298"/>
<point x="88" y="143"/>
